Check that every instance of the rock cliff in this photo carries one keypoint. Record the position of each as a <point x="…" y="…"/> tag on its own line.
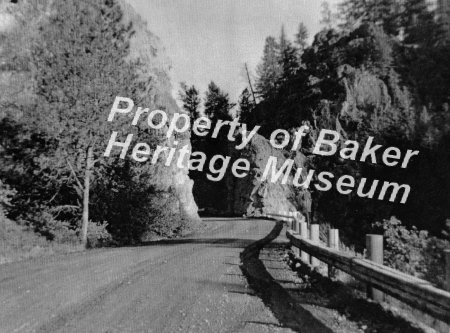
<point x="149" y="49"/>
<point x="252" y="196"/>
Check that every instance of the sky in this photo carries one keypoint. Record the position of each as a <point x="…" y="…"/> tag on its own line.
<point x="211" y="40"/>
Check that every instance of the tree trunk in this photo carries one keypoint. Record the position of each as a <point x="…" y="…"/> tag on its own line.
<point x="87" y="181"/>
<point x="250" y="84"/>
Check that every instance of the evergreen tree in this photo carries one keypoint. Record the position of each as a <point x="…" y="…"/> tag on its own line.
<point x="301" y="37"/>
<point x="206" y="192"/>
<point x="269" y="70"/>
<point x="419" y="24"/>
<point x="217" y="104"/>
<point x="191" y="101"/>
<point x="327" y="15"/>
<point x="246" y="106"/>
<point x="385" y="13"/>
<point x="77" y="78"/>
<point x="288" y="58"/>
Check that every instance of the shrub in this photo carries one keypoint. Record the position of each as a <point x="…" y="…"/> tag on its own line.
<point x="404" y="247"/>
<point x="98" y="235"/>
<point x="6" y="195"/>
<point x="164" y="223"/>
<point x="412" y="251"/>
<point x="435" y="260"/>
<point x="45" y="223"/>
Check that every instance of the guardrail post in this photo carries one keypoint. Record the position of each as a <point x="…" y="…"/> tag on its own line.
<point x="292" y="219"/>
<point x="314" y="236"/>
<point x="296" y="229"/>
<point x="304" y="234"/>
<point x="295" y="226"/>
<point x="447" y="269"/>
<point x="333" y="243"/>
<point x="374" y="245"/>
<point x="285" y="219"/>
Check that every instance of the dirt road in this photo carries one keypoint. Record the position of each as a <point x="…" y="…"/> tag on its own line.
<point x="189" y="285"/>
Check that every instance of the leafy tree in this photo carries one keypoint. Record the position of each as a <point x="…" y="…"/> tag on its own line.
<point x="80" y="61"/>
<point x="191" y="101"/>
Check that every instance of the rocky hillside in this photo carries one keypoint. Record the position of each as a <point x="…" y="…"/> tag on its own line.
<point x="252" y="196"/>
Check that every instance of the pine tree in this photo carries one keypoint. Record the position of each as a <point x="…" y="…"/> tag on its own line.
<point x="420" y="26"/>
<point x="288" y="58"/>
<point x="81" y="66"/>
<point x="191" y="101"/>
<point x="269" y="70"/>
<point x="327" y="15"/>
<point x="217" y="104"/>
<point x="385" y="13"/>
<point x="246" y="106"/>
<point x="301" y="37"/>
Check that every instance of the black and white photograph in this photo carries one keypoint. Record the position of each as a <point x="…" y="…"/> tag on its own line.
<point x="224" y="166"/>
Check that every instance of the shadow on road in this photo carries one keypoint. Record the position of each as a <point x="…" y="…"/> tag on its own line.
<point x="288" y="313"/>
<point x="262" y="323"/>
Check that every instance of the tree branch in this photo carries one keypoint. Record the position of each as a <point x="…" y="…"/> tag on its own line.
<point x="75" y="175"/>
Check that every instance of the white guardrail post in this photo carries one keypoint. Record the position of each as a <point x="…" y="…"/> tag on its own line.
<point x="374" y="246"/>
<point x="304" y="234"/>
<point x="314" y="236"/>
<point x="292" y="219"/>
<point x="333" y="243"/>
<point x="296" y="230"/>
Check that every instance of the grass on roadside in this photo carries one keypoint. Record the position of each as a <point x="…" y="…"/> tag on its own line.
<point x="19" y="243"/>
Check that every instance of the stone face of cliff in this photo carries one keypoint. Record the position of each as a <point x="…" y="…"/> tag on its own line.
<point x="384" y="105"/>
<point x="150" y="50"/>
<point x="252" y="196"/>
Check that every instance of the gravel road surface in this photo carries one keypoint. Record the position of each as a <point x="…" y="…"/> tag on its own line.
<point x="186" y="285"/>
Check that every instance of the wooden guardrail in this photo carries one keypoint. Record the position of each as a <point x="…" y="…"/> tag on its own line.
<point x="413" y="291"/>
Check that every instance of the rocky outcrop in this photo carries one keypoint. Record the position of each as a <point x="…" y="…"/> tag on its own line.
<point x="252" y="196"/>
<point x="384" y="105"/>
<point x="149" y="49"/>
